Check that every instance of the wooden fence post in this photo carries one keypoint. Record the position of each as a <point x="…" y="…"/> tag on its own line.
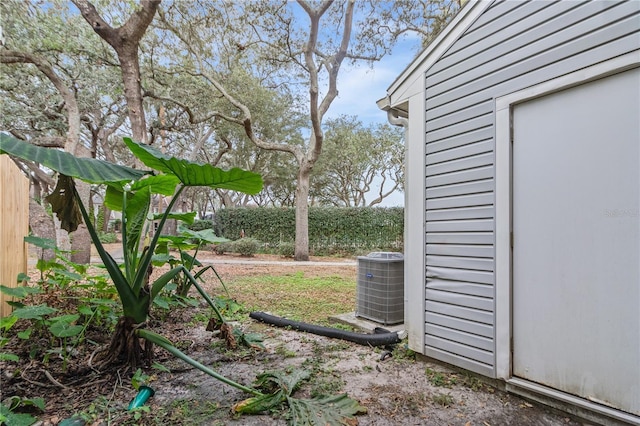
<point x="14" y="226"/>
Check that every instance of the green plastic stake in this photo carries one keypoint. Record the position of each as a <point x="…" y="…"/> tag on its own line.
<point x="144" y="393"/>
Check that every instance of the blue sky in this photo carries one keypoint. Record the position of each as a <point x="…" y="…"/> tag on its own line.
<point x="360" y="87"/>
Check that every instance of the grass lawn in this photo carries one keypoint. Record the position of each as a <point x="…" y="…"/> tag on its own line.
<point x="295" y="295"/>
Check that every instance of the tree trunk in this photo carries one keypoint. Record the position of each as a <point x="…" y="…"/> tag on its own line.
<point x="62" y="237"/>
<point x="42" y="226"/>
<point x="106" y="213"/>
<point x="125" y="41"/>
<point x="80" y="238"/>
<point x="302" y="215"/>
<point x="131" y="80"/>
<point x="170" y="227"/>
<point x="225" y="198"/>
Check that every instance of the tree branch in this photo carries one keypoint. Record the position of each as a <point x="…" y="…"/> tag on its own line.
<point x="35" y="172"/>
<point x="49" y="141"/>
<point x="245" y="119"/>
<point x="70" y="103"/>
<point x="132" y="30"/>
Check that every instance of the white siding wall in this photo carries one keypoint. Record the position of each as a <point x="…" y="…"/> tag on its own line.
<point x="511" y="46"/>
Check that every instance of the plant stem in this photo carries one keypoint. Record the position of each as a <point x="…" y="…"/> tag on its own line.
<point x="166" y="344"/>
<point x="204" y="295"/>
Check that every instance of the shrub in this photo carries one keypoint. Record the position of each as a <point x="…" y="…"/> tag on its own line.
<point x="286" y="248"/>
<point x="108" y="237"/>
<point x="200" y="225"/>
<point x="246" y="246"/>
<point x="243" y="246"/>
<point x="223" y="248"/>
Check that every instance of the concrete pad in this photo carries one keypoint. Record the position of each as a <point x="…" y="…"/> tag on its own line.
<point x="363" y="324"/>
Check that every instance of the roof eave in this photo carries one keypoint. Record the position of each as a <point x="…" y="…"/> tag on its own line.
<point x="463" y="19"/>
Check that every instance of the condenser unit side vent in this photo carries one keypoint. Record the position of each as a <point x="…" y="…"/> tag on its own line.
<point x="380" y="287"/>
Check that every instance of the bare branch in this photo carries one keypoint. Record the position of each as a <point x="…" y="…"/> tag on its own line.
<point x="35" y="172"/>
<point x="70" y="103"/>
<point x="191" y="115"/>
<point x="245" y="119"/>
<point x="227" y="148"/>
<point x="49" y="141"/>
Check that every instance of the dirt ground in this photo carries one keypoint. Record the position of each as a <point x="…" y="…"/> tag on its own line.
<point x="397" y="391"/>
<point x="403" y="389"/>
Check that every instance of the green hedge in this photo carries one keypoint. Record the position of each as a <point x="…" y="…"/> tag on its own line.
<point x="201" y="225"/>
<point x="332" y="230"/>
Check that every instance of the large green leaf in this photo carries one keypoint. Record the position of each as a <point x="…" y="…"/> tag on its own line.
<point x="34" y="312"/>
<point x="161" y="184"/>
<point x="206" y="235"/>
<point x="187" y="217"/>
<point x="196" y="174"/>
<point x="278" y="386"/>
<point x="45" y="243"/>
<point x="137" y="208"/>
<point x="19" y="292"/>
<point x="86" y="169"/>
<point x="334" y="410"/>
<point x="113" y="197"/>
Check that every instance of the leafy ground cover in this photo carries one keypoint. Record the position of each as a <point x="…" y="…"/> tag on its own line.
<point x="403" y="389"/>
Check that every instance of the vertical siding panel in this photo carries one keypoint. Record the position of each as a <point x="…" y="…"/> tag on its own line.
<point x="511" y="46"/>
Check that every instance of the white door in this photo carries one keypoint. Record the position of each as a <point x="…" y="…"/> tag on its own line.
<point x="576" y="233"/>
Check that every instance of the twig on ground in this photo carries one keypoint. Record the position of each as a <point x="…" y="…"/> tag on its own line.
<point x="23" y="375"/>
<point x="90" y="361"/>
<point x="53" y="380"/>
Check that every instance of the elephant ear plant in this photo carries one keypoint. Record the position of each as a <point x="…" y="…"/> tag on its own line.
<point x="132" y="192"/>
<point x="185" y="241"/>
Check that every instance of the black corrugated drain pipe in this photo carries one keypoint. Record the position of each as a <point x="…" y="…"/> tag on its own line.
<point x="383" y="339"/>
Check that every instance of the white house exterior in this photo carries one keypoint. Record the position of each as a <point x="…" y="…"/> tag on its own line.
<point x="522" y="258"/>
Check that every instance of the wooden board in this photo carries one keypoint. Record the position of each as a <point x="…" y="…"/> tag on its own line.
<point x="14" y="226"/>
